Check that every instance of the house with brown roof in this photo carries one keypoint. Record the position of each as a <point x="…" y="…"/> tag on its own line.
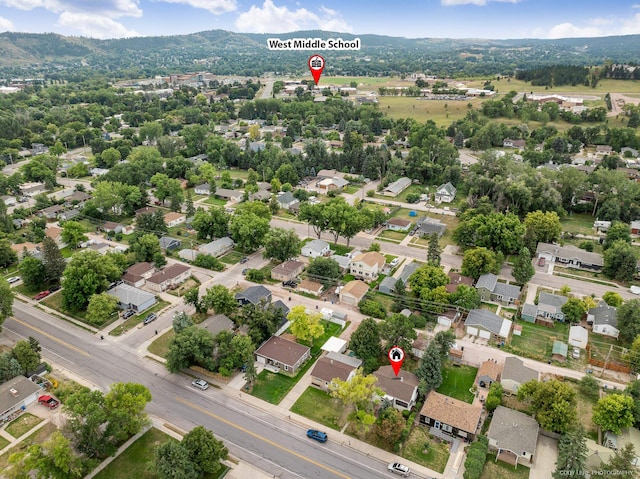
<point x="419" y="345"/>
<point x="146" y="210"/>
<point x="137" y="274"/>
<point x="488" y="373"/>
<point x="353" y="292"/>
<point x="367" y="266"/>
<point x="452" y="416"/>
<point x="287" y="271"/>
<point x="55" y="234"/>
<point x="333" y="365"/>
<point x="169" y="277"/>
<point x="174" y="219"/>
<point x="310" y="287"/>
<point x="31" y="248"/>
<point x="282" y="355"/>
<point x="400" y="390"/>
<point x="513" y="435"/>
<point x="455" y="280"/>
<point x="398" y="224"/>
<point x="112" y="227"/>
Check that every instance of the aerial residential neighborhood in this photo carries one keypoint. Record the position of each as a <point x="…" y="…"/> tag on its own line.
<point x="210" y="264"/>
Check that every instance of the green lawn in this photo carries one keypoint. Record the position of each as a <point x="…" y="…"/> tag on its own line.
<point x="536" y="341"/>
<point x="232" y="257"/>
<point x="133" y="461"/>
<point x="3" y="443"/>
<point x="215" y="201"/>
<point x="442" y="112"/>
<point x="136" y="319"/>
<point x="502" y="470"/>
<point x="21" y="425"/>
<point x="392" y="235"/>
<point x="54" y="301"/>
<point x="318" y="406"/>
<point x="490" y="306"/>
<point x="457" y="381"/>
<point x="437" y="452"/>
<point x="160" y="346"/>
<point x="341" y="249"/>
<point x="351" y="189"/>
<point x="578" y="223"/>
<point x="37" y="437"/>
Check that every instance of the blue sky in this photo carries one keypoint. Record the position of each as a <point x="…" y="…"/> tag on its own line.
<point x="408" y="18"/>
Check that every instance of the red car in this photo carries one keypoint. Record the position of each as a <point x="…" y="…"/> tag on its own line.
<point x="41" y="294"/>
<point x="48" y="401"/>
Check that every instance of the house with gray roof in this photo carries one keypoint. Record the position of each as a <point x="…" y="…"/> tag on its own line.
<point x="16" y="394"/>
<point x="286" y="200"/>
<point x="217" y="247"/>
<point x="254" y="295"/>
<point x="445" y="193"/>
<point x="400" y="389"/>
<point x="604" y="320"/>
<point x="490" y="289"/>
<point x="168" y="244"/>
<point x="485" y="324"/>
<point x="229" y="195"/>
<point x="282" y="355"/>
<point x="315" y="248"/>
<point x="426" y="226"/>
<point x="549" y="308"/>
<point x="387" y="285"/>
<point x="513" y="435"/>
<point x="515" y="374"/>
<point x="334" y="365"/>
<point x="130" y="297"/>
<point x="397" y="187"/>
<point x="407" y="271"/>
<point x="570" y="256"/>
<point x="203" y="189"/>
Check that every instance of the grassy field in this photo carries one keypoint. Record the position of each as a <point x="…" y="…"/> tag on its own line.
<point x="505" y="85"/>
<point x="54" y="301"/>
<point x="578" y="223"/>
<point x="24" y="423"/>
<point x="133" y="461"/>
<point x="396" y="236"/>
<point x="320" y="407"/>
<point x="232" y="257"/>
<point x="215" y="201"/>
<point x="536" y="342"/>
<point x="437" y="452"/>
<point x="273" y="387"/>
<point x="3" y="443"/>
<point x="442" y="112"/>
<point x="38" y="437"/>
<point x="457" y="381"/>
<point x="502" y="470"/>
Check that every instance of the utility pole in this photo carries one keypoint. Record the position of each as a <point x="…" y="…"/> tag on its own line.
<point x="606" y="360"/>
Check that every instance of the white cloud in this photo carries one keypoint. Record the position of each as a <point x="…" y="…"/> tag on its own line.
<point x="569" y="30"/>
<point x="272" y="19"/>
<point x="95" y="26"/>
<point x="597" y="27"/>
<point x="217" y="7"/>
<point x="5" y="25"/>
<point x="480" y="3"/>
<point x="631" y="26"/>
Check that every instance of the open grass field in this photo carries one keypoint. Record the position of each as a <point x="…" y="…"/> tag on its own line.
<point x="442" y="112"/>
<point x="160" y="346"/>
<point x="320" y="407"/>
<point x="457" y="381"/>
<point x="501" y="470"/>
<point x="133" y="461"/>
<point x="54" y="301"/>
<point x="22" y="424"/>
<point x="578" y="223"/>
<point x="505" y="85"/>
<point x="38" y="437"/>
<point x="437" y="453"/>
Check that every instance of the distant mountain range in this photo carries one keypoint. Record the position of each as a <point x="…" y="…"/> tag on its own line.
<point x="231" y="53"/>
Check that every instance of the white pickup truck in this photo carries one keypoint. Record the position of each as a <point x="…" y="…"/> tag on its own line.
<point x="635" y="289"/>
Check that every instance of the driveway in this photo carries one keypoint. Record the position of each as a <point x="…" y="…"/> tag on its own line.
<point x="545" y="460"/>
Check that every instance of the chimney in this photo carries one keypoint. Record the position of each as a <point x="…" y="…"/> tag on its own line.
<point x="14" y="392"/>
<point x="332" y="362"/>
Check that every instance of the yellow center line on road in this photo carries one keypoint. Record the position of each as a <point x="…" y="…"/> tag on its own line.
<point x="64" y="343"/>
<point x="274" y="444"/>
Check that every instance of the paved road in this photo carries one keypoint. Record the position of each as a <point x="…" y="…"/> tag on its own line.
<point x="254" y="435"/>
<point x="267" y="90"/>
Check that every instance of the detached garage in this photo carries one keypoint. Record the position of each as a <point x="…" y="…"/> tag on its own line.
<point x="485" y="324"/>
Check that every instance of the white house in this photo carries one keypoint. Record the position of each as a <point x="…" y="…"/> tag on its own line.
<point x="217" y="247"/>
<point x="578" y="337"/>
<point x="445" y="193"/>
<point x="174" y="219"/>
<point x="315" y="248"/>
<point x="203" y="189"/>
<point x="367" y="266"/>
<point x="604" y="320"/>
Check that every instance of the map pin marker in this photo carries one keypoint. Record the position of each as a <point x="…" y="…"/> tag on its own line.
<point x="396" y="358"/>
<point x="316" y="65"/>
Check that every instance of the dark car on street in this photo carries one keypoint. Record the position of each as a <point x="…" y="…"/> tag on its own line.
<point x="128" y="313"/>
<point x="317" y="435"/>
<point x="151" y="317"/>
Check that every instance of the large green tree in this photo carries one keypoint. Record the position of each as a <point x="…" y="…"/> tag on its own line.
<point x="25" y="354"/>
<point x="6" y="301"/>
<point x="211" y="223"/>
<point x="193" y="346"/>
<point x="614" y="412"/>
<point x="250" y="225"/>
<point x="429" y="370"/>
<point x="628" y="316"/>
<point x="204" y="450"/>
<point x="281" y="244"/>
<point x="365" y="344"/>
<point x="572" y="453"/>
<point x="87" y="273"/>
<point x="73" y="233"/>
<point x="543" y="226"/>
<point x="53" y="261"/>
<point x="145" y="247"/>
<point x="523" y="270"/>
<point x="479" y="261"/>
<point x="32" y="272"/>
<point x="172" y="461"/>
<point x="552" y="402"/>
<point x="426" y="278"/>
<point x="324" y="270"/>
<point x="101" y="307"/>
<point x="397" y="330"/>
<point x="305" y="326"/>
<point x="620" y="261"/>
<point x="7" y="255"/>
<point x="220" y="299"/>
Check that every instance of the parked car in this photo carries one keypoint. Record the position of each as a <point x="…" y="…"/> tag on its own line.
<point x="150" y="317"/>
<point x="575" y="354"/>
<point x="317" y="435"/>
<point x="200" y="384"/>
<point x="394" y="262"/>
<point x="128" y="313"/>
<point x="244" y="260"/>
<point x="541" y="261"/>
<point x="48" y="401"/>
<point x="633" y="289"/>
<point x="13" y="279"/>
<point x="41" y="295"/>
<point x="244" y="271"/>
<point x="289" y="284"/>
<point x="55" y="288"/>
<point x="399" y="469"/>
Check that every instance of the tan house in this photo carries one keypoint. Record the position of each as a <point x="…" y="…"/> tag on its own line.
<point x="367" y="266"/>
<point x="310" y="287"/>
<point x="281" y="354"/>
<point x="334" y="365"/>
<point x="174" y="219"/>
<point x="489" y="372"/>
<point x="55" y="234"/>
<point x="137" y="274"/>
<point x="31" y="248"/>
<point x="169" y="277"/>
<point x="353" y="292"/>
<point x="452" y="416"/>
<point x="287" y="271"/>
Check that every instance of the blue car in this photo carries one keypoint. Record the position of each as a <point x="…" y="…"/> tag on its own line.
<point x="317" y="435"/>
